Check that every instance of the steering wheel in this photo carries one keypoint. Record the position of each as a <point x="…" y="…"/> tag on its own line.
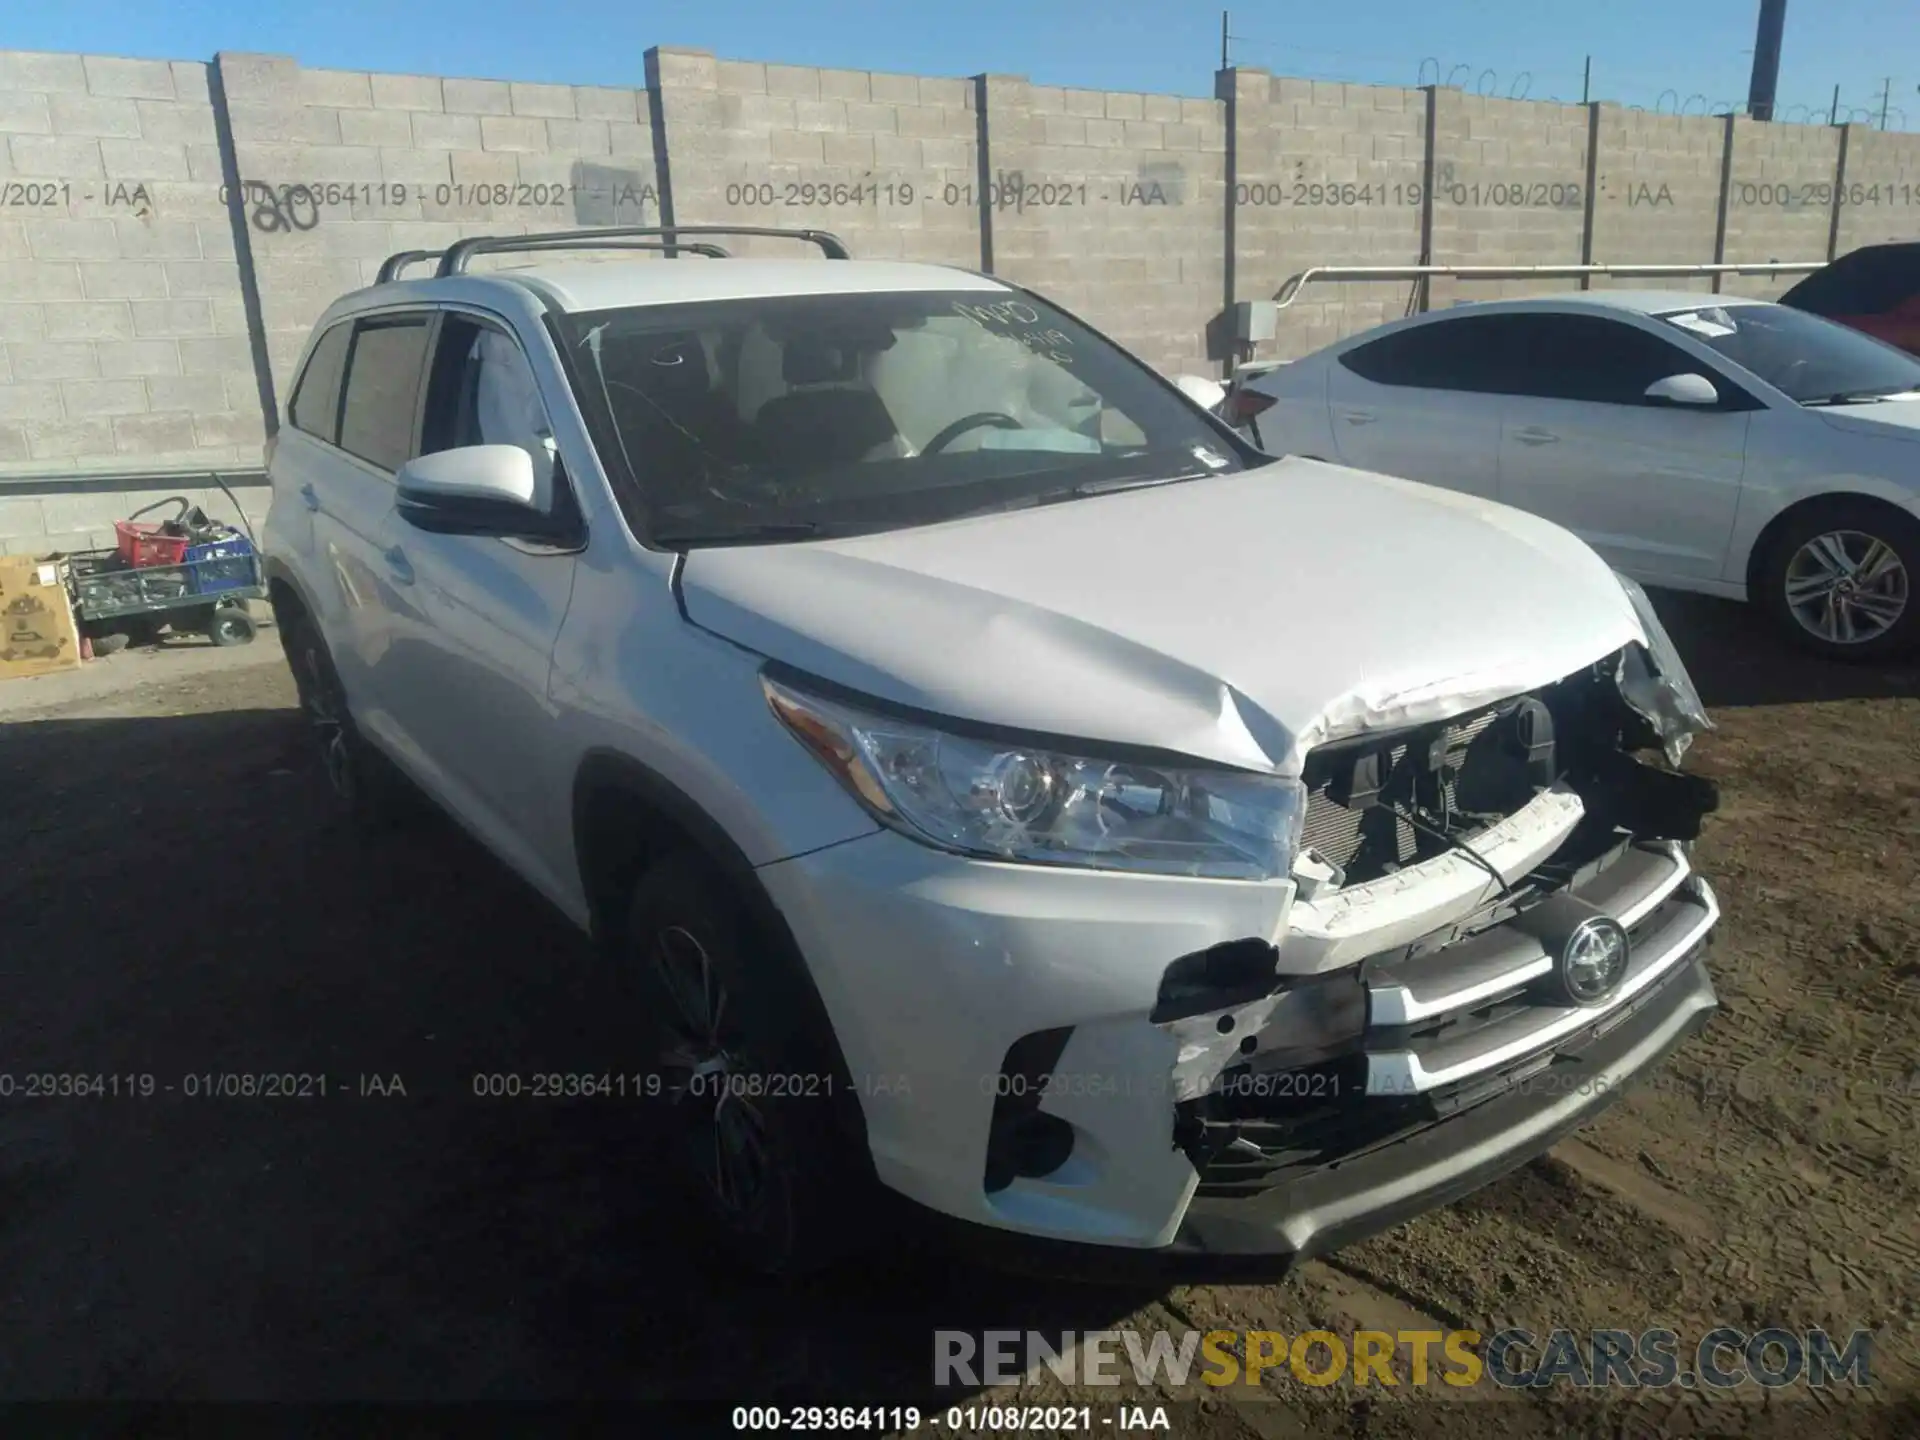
<point x="998" y="419"/>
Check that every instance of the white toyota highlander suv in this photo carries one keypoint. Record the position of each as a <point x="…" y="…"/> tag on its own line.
<point x="991" y="783"/>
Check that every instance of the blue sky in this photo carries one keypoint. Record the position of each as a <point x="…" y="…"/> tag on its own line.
<point x="1656" y="53"/>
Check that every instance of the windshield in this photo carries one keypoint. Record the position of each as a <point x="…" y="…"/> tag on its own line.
<point x="785" y="417"/>
<point x="1814" y="361"/>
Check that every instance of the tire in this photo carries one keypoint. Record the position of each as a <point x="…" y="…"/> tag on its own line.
<point x="1839" y="580"/>
<point x="750" y="1104"/>
<point x="365" y="785"/>
<point x="231" y="625"/>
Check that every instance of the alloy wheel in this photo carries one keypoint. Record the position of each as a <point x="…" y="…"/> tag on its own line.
<point x="327" y="715"/>
<point x="1847" y="587"/>
<point x="732" y="1149"/>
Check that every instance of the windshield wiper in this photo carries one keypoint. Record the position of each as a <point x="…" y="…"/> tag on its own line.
<point x="1861" y="397"/>
<point x="1133" y="482"/>
<point x="739" y="534"/>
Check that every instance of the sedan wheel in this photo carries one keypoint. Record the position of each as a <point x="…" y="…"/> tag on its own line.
<point x="1847" y="587"/>
<point x="1838" y="577"/>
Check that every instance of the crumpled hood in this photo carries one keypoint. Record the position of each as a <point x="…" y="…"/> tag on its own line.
<point x="1896" y="418"/>
<point x="1241" y="619"/>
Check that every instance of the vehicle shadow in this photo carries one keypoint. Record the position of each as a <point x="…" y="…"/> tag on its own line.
<point x="1737" y="660"/>
<point x="180" y="911"/>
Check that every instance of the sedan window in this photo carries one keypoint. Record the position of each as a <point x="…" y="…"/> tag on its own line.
<point x="1812" y="360"/>
<point x="1480" y="354"/>
<point x="1596" y="359"/>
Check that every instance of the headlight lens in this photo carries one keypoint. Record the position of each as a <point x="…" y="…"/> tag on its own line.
<point x="1658" y="686"/>
<point x="1039" y="806"/>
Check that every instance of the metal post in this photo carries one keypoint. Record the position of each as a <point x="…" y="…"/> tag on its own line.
<point x="1833" y="115"/>
<point x="1886" y="99"/>
<point x="1766" y="59"/>
<point x="1223" y="39"/>
<point x="1726" y="195"/>
<point x="1586" y="82"/>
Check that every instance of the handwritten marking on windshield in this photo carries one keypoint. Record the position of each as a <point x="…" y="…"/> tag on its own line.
<point x="1015" y="321"/>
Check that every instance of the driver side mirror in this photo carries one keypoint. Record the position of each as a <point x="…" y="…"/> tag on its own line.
<point x="1201" y="391"/>
<point x="1683" y="390"/>
<point x="485" y="490"/>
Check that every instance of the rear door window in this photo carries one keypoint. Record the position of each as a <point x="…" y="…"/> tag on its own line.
<point x="382" y="401"/>
<point x="1478" y="354"/>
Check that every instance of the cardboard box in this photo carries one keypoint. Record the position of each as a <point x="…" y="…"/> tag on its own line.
<point x="37" y="633"/>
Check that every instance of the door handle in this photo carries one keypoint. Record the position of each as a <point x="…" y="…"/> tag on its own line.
<point x="398" y="563"/>
<point x="1536" y="437"/>
<point x="1357" y="417"/>
<point x="309" y="497"/>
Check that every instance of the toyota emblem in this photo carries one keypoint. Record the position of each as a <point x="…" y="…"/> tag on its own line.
<point x="1593" y="962"/>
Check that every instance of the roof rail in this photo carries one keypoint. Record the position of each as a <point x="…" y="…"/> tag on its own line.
<point x="391" y="267"/>
<point x="453" y="261"/>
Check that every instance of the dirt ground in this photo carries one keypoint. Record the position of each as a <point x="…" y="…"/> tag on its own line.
<point x="175" y="901"/>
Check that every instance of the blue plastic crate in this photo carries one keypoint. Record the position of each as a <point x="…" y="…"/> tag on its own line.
<point x="218" y="550"/>
<point x="229" y="564"/>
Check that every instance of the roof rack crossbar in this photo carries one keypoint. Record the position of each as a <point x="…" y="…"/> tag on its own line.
<point x="566" y="240"/>
<point x="453" y="261"/>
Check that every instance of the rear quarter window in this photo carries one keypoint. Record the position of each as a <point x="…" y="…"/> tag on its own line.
<point x="315" y="407"/>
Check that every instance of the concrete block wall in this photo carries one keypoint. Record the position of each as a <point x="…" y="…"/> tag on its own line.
<point x="341" y="168"/>
<point x="169" y="230"/>
<point x="1509" y="187"/>
<point x="1780" y="199"/>
<point x="1880" y="192"/>
<point x="1112" y="203"/>
<point x="1325" y="174"/>
<point x="123" y="341"/>
<point x="1656" y="192"/>
<point x="61" y="516"/>
<point x="886" y="162"/>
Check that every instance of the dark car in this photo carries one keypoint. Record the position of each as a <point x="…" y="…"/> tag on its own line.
<point x="1875" y="289"/>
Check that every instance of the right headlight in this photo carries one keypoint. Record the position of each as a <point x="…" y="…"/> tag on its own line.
<point x="1035" y="805"/>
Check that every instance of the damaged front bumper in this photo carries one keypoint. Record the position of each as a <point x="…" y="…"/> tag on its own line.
<point x="1028" y="1061"/>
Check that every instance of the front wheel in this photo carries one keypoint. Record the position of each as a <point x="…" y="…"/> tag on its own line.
<point x="1839" y="580"/>
<point x="750" y="1090"/>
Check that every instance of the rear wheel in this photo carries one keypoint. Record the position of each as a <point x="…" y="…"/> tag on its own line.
<point x="750" y="1090"/>
<point x="1839" y="580"/>
<point x="363" y="781"/>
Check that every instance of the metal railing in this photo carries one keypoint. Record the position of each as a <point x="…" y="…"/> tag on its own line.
<point x="1290" y="290"/>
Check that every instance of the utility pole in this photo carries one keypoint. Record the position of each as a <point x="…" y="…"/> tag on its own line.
<point x="1766" y="59"/>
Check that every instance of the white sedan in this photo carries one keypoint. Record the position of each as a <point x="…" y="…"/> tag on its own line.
<point x="1702" y="442"/>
